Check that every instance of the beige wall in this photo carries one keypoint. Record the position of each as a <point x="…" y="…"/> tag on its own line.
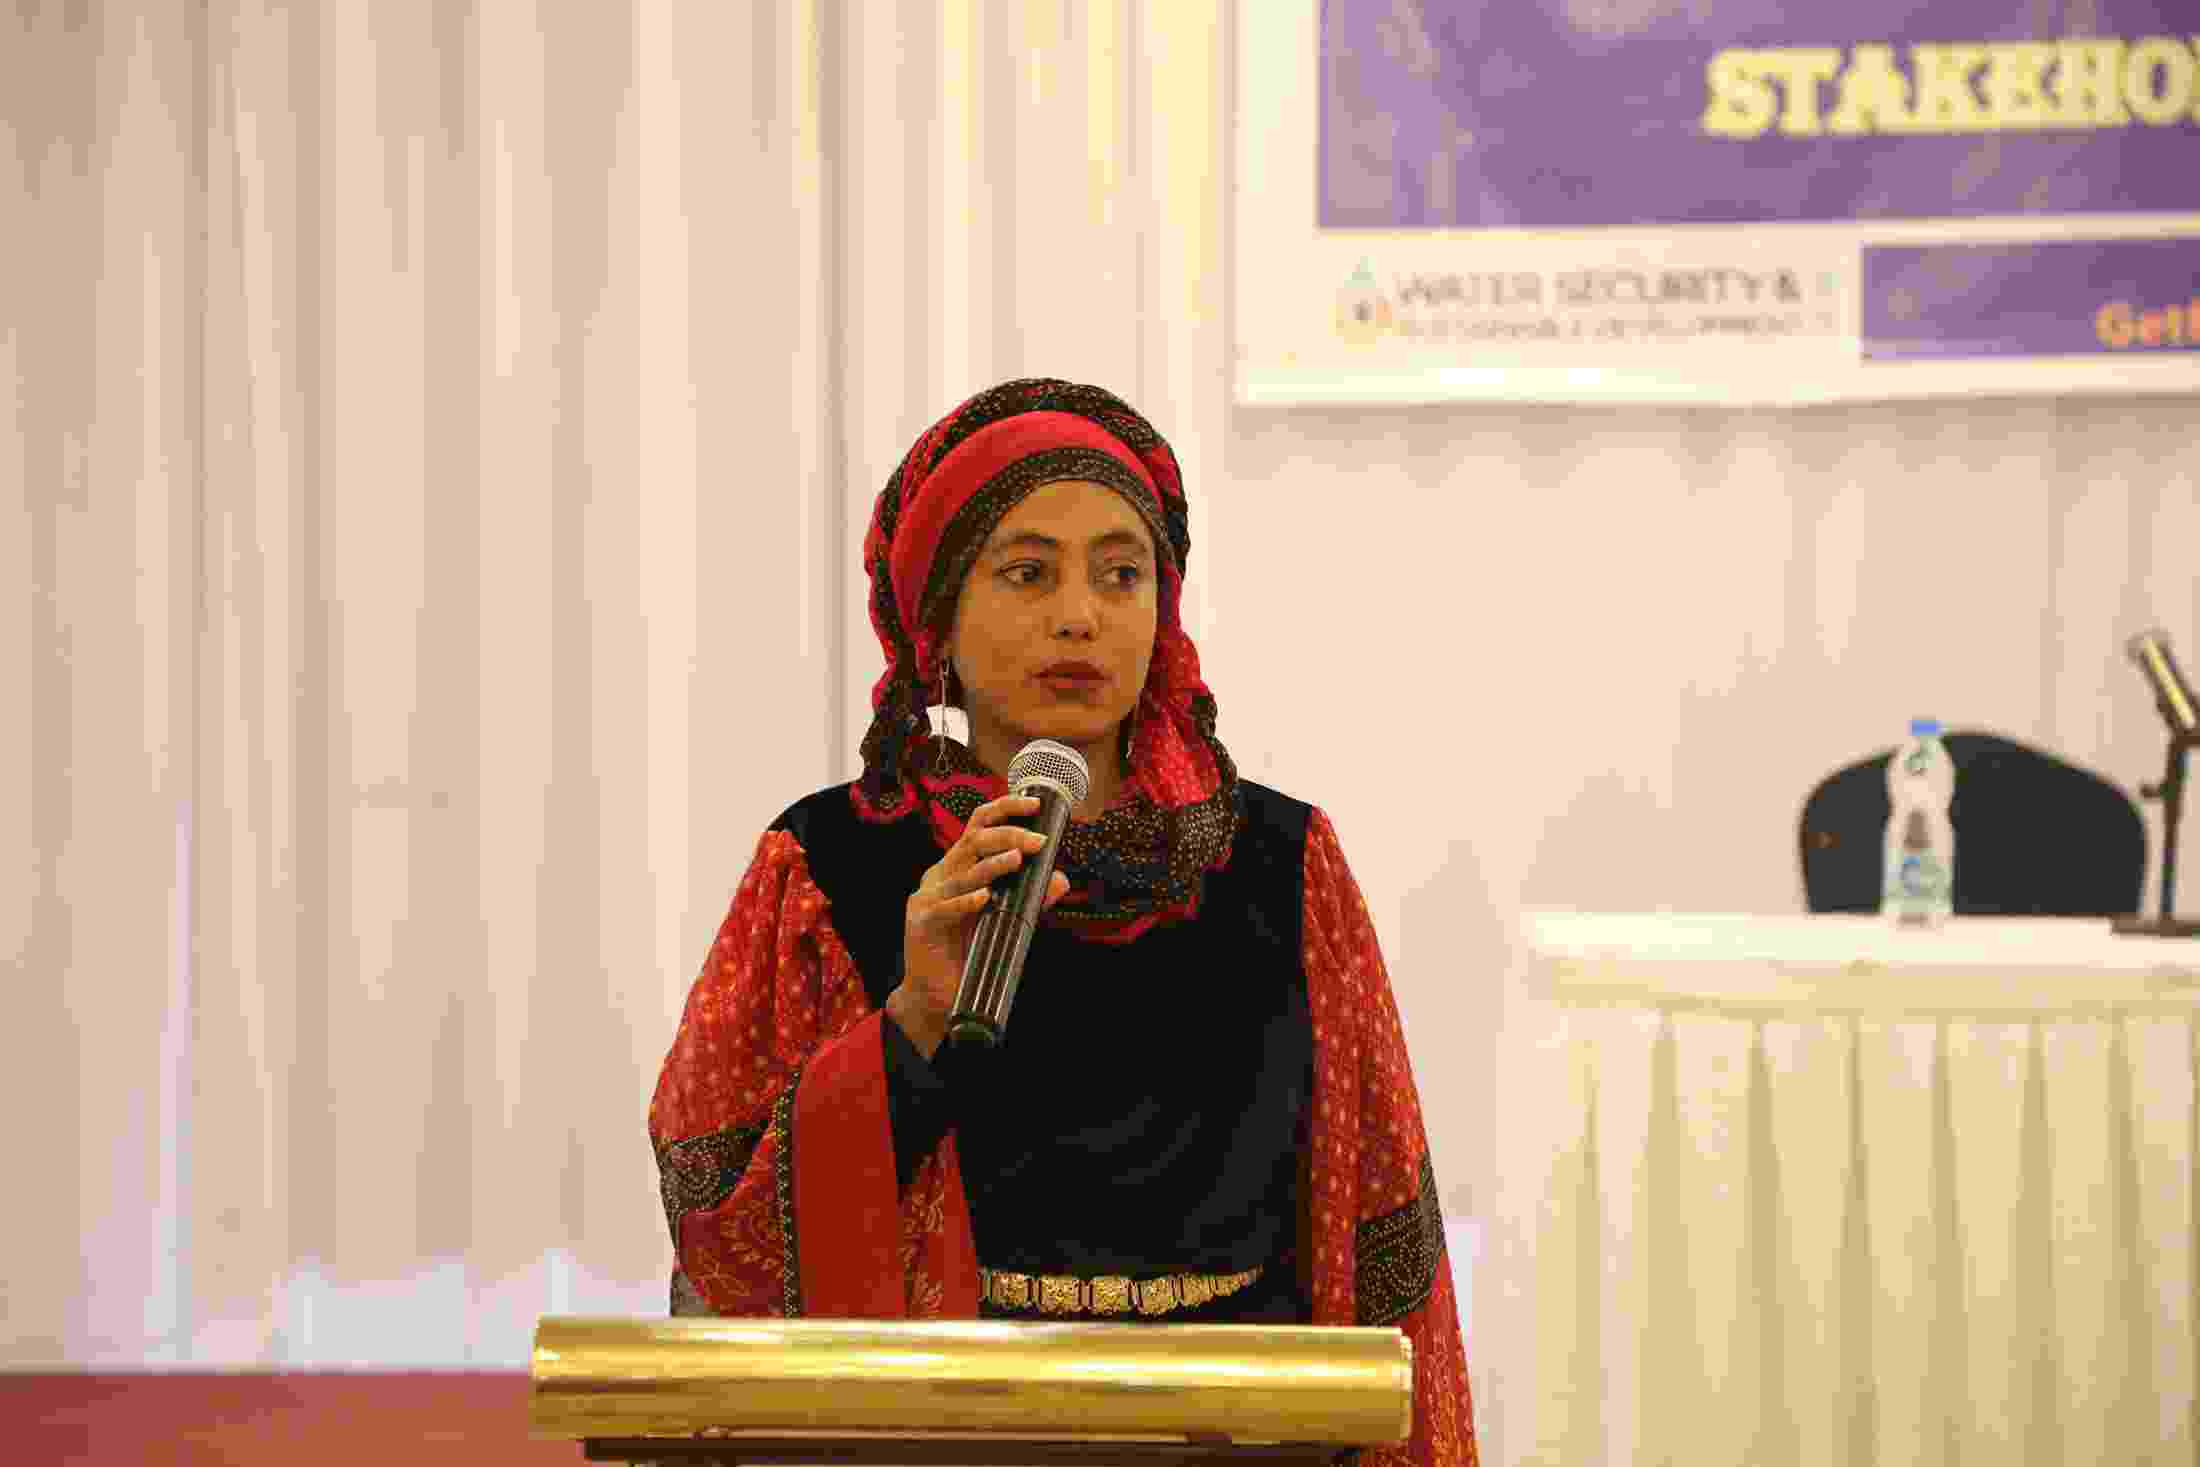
<point x="427" y="585"/>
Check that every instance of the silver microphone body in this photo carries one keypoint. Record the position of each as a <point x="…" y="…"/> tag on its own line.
<point x="1056" y="774"/>
<point x="2171" y="692"/>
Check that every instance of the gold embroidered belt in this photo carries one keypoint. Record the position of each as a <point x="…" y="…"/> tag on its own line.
<point x="1051" y="1293"/>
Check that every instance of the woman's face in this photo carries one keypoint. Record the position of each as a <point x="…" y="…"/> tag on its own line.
<point x="1055" y="623"/>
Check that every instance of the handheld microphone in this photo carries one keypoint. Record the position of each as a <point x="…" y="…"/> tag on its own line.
<point x="1057" y="775"/>
<point x="2172" y="694"/>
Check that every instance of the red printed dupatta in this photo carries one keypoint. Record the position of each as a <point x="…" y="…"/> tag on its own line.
<point x="777" y="1168"/>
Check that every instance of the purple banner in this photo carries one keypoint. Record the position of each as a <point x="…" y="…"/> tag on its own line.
<point x="1561" y="114"/>
<point x="2064" y="298"/>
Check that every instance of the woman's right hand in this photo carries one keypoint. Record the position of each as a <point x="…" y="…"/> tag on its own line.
<point x="942" y="913"/>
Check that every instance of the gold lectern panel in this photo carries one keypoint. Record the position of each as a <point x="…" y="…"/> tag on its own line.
<point x="843" y="1379"/>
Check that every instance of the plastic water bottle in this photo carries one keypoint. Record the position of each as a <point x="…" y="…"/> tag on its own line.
<point x="1920" y="884"/>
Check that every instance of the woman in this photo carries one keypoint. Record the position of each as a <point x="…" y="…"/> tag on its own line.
<point x="1202" y="1111"/>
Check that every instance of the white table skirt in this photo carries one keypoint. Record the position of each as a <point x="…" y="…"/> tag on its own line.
<point x="1812" y="1191"/>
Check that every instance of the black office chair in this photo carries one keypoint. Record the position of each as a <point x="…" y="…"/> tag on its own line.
<point x="2035" y="836"/>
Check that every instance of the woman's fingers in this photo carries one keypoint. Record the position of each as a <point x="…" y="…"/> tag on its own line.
<point x="979" y="845"/>
<point x="958" y="887"/>
<point x="948" y="882"/>
<point x="967" y="894"/>
<point x="972" y="901"/>
<point x="1000" y="838"/>
<point x="986" y="833"/>
<point x="1007" y="807"/>
<point x="981" y="873"/>
<point x="994" y="813"/>
<point x="968" y="902"/>
<point x="982" y="833"/>
<point x="936" y="907"/>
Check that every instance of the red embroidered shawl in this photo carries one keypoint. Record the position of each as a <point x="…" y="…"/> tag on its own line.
<point x="777" y="1167"/>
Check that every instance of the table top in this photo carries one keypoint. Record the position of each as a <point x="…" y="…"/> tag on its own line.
<point x="1982" y="965"/>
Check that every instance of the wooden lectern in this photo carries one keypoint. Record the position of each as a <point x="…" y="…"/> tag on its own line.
<point x="966" y="1393"/>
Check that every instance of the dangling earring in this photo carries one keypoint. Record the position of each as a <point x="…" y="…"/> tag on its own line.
<point x="939" y="752"/>
<point x="1130" y="734"/>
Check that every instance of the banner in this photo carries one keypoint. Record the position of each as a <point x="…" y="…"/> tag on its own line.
<point x="1715" y="200"/>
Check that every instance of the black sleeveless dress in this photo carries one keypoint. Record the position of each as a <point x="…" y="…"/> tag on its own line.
<point x="1146" y="1111"/>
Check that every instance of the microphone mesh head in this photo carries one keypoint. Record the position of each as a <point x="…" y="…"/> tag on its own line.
<point x="1046" y="759"/>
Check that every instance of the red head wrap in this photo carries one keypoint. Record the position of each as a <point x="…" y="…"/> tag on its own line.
<point x="1144" y="858"/>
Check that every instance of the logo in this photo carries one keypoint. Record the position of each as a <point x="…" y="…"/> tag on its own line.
<point x="1363" y="311"/>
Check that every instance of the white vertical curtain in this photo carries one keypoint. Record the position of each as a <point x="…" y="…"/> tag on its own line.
<point x="430" y="489"/>
<point x="441" y="440"/>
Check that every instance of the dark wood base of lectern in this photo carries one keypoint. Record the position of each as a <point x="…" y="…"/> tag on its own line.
<point x="2154" y="927"/>
<point x="958" y="1452"/>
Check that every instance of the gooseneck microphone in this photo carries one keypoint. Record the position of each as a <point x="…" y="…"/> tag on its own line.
<point x="2172" y="694"/>
<point x="1057" y="775"/>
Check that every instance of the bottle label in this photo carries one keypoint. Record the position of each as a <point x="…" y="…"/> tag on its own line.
<point x="1918" y="876"/>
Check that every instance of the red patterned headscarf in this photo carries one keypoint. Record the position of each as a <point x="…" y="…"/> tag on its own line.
<point x="1144" y="859"/>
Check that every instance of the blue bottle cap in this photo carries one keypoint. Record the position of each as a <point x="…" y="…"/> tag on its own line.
<point x="1924" y="728"/>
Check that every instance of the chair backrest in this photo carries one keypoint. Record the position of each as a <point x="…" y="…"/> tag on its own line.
<point x="2035" y="836"/>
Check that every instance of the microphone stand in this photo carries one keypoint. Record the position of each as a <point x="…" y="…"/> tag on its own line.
<point x="2171" y="793"/>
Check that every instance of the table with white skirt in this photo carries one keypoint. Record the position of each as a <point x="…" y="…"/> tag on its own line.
<point x="1814" y="1190"/>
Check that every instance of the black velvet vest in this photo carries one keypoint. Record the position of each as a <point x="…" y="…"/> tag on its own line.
<point x="1145" y="1113"/>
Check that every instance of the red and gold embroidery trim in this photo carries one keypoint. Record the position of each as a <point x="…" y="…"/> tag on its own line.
<point x="790" y="1261"/>
<point x="700" y="1172"/>
<point x="1395" y="1256"/>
